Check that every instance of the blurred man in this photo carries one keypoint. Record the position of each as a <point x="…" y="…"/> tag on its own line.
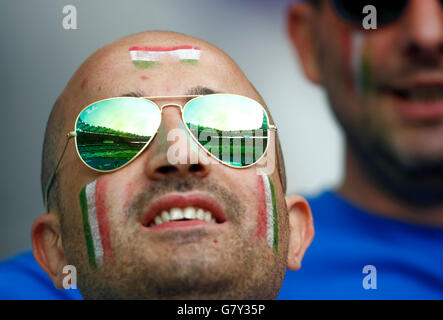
<point x="380" y="234"/>
<point x="142" y="205"/>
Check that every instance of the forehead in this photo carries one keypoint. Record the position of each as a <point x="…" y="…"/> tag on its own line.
<point x="154" y="69"/>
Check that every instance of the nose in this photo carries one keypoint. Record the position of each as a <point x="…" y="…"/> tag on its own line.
<point x="423" y="28"/>
<point x="176" y="155"/>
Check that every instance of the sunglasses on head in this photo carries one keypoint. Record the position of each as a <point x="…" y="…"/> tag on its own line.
<point x="109" y="134"/>
<point x="388" y="11"/>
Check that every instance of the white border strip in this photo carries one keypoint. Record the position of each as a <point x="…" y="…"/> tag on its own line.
<point x="181" y="54"/>
<point x="357" y="42"/>
<point x="269" y="211"/>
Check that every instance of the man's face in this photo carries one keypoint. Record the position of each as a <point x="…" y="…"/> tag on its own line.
<point x="118" y="252"/>
<point x="385" y="85"/>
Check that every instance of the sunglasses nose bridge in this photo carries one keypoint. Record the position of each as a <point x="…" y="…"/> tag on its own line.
<point x="166" y="105"/>
<point x="171" y="121"/>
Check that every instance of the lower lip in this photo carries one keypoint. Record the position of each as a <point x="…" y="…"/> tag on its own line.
<point x="418" y="111"/>
<point x="181" y="224"/>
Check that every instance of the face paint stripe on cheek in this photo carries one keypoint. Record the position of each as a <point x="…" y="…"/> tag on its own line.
<point x="95" y="222"/>
<point x="262" y="210"/>
<point x="102" y="217"/>
<point x="356" y="66"/>
<point x="86" y="228"/>
<point x="269" y="210"/>
<point x="275" y="217"/>
<point x="358" y="41"/>
<point x="90" y="223"/>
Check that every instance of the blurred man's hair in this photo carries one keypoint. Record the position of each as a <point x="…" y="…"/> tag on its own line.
<point x="315" y="3"/>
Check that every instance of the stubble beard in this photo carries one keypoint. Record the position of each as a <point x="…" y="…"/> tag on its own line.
<point x="241" y="269"/>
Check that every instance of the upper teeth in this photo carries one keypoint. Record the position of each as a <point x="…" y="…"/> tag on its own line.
<point x="189" y="213"/>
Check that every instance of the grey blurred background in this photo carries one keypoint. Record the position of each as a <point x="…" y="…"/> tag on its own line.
<point x="37" y="58"/>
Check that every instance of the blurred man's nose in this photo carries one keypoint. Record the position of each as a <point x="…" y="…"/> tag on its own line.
<point x="423" y="27"/>
<point x="180" y="161"/>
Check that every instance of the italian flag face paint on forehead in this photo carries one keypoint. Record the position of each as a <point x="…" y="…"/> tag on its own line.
<point x="149" y="57"/>
<point x="268" y="216"/>
<point x="95" y="222"/>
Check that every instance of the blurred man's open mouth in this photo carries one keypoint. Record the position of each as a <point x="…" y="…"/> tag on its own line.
<point x="418" y="100"/>
<point x="183" y="211"/>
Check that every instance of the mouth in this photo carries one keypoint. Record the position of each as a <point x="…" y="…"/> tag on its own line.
<point x="419" y="100"/>
<point x="184" y="210"/>
<point x="420" y="94"/>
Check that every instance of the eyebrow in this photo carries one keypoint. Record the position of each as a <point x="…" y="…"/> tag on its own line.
<point x="136" y="94"/>
<point x="196" y="91"/>
<point x="200" y="91"/>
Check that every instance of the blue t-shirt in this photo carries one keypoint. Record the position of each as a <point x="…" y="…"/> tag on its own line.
<point x="22" y="278"/>
<point x="408" y="259"/>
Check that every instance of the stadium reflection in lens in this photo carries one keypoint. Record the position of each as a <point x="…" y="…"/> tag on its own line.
<point x="232" y="128"/>
<point x="112" y="132"/>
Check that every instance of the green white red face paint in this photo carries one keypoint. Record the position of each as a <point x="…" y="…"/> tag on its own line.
<point x="357" y="59"/>
<point x="267" y="226"/>
<point x="95" y="222"/>
<point x="150" y="57"/>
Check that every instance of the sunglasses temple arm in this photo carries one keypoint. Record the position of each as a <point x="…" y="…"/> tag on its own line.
<point x="276" y="146"/>
<point x="51" y="178"/>
<point x="274" y="129"/>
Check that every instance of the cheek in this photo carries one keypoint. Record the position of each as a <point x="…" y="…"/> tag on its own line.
<point x="384" y="45"/>
<point x="348" y="74"/>
<point x="335" y="58"/>
<point x="121" y="186"/>
<point x="127" y="196"/>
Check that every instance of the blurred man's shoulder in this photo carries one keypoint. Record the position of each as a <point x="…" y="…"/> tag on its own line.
<point x="22" y="278"/>
<point x="352" y="247"/>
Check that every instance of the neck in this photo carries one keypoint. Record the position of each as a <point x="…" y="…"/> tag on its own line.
<point x="361" y="189"/>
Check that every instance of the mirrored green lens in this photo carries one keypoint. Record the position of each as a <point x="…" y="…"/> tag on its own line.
<point x="112" y="132"/>
<point x="232" y="128"/>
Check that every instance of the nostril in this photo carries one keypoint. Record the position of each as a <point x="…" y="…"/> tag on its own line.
<point x="179" y="170"/>
<point x="195" y="167"/>
<point x="424" y="55"/>
<point x="413" y="50"/>
<point x="167" y="169"/>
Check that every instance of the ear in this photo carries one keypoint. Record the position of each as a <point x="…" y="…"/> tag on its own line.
<point x="301" y="230"/>
<point x="48" y="248"/>
<point x="301" y="33"/>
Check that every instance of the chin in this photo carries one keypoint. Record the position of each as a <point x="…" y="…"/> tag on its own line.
<point x="418" y="152"/>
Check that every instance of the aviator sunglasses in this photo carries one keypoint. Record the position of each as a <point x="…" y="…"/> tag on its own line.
<point x="111" y="133"/>
<point x="388" y="11"/>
